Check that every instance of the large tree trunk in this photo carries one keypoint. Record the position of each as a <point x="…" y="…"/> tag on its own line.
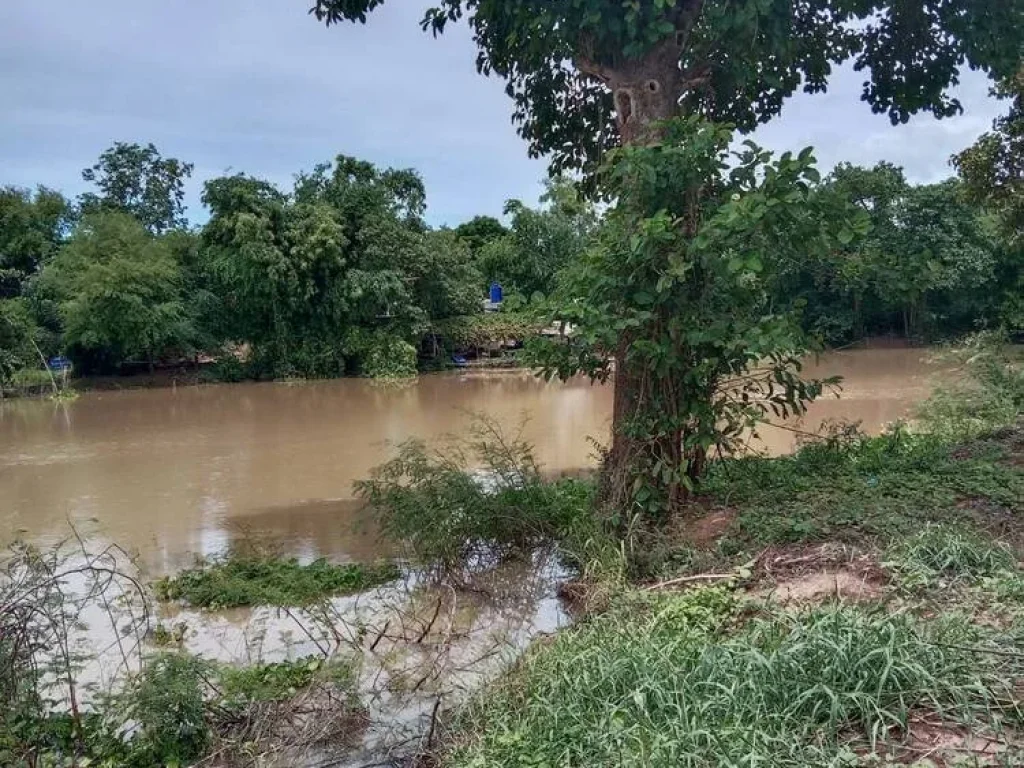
<point x="647" y="92"/>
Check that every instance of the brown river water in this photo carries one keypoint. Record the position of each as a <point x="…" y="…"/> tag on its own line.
<point x="174" y="473"/>
<point x="170" y="473"/>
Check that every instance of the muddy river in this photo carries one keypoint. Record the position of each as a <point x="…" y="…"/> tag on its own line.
<point x="169" y="474"/>
<point x="174" y="472"/>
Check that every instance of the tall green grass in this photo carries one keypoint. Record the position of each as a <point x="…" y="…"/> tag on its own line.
<point x="950" y="554"/>
<point x="783" y="691"/>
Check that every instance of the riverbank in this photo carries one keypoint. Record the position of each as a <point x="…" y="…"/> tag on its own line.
<point x="857" y="603"/>
<point x="32" y="384"/>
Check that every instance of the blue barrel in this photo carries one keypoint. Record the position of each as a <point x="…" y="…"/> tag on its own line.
<point x="495" y="293"/>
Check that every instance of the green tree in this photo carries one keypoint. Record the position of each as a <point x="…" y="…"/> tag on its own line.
<point x="279" y="270"/>
<point x="939" y="257"/>
<point x="993" y="174"/>
<point x="119" y="289"/>
<point x="342" y="267"/>
<point x="18" y="333"/>
<point x="926" y="266"/>
<point x="692" y="286"/>
<point x="540" y="242"/>
<point x="479" y="231"/>
<point x="32" y="227"/>
<point x="138" y="180"/>
<point x="588" y="74"/>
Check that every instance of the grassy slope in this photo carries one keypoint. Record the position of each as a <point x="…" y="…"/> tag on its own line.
<point x="719" y="676"/>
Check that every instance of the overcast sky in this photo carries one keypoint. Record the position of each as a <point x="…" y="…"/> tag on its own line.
<point x="259" y="86"/>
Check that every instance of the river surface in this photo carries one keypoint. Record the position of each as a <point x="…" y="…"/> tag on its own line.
<point x="171" y="473"/>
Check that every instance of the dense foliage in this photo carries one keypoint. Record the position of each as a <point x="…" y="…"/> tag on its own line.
<point x="677" y="290"/>
<point x="339" y="275"/>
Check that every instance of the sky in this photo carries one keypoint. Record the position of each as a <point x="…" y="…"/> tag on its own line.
<point x="259" y="86"/>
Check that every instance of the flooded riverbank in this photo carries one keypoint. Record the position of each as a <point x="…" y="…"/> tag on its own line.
<point x="175" y="473"/>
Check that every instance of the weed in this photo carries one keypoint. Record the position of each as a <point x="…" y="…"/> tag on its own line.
<point x="248" y="580"/>
<point x="161" y="636"/>
<point x="449" y="513"/>
<point x="166" y="700"/>
<point x="954" y="554"/>
<point x="989" y="396"/>
<point x="281" y="680"/>
<point x="784" y="691"/>
<point x="875" y="488"/>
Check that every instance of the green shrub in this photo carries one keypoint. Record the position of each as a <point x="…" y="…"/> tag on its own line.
<point x="167" y="701"/>
<point x="446" y="513"/>
<point x="245" y="580"/>
<point x="281" y="680"/>
<point x="227" y="369"/>
<point x="988" y="396"/>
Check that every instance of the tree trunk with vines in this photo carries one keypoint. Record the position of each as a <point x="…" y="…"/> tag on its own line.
<point x="647" y="92"/>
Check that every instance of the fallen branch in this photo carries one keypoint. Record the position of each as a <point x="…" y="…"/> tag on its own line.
<point x="687" y="579"/>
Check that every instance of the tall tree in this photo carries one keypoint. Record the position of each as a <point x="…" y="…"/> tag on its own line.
<point x="119" y="289"/>
<point x="539" y="242"/>
<point x="588" y="74"/>
<point x="479" y="231"/>
<point x="993" y="174"/>
<point x="138" y="180"/>
<point x="32" y="226"/>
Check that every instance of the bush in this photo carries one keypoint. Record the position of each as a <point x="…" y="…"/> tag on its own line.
<point x="166" y="700"/>
<point x="990" y="395"/>
<point x="446" y="513"/>
<point x="18" y="333"/>
<point x="381" y="355"/>
<point x="253" y="579"/>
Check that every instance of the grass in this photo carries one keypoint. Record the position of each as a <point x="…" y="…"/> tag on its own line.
<point x="715" y="677"/>
<point x="254" y="580"/>
<point x="279" y="681"/>
<point x="882" y="486"/>
<point x="816" y="688"/>
<point x="949" y="555"/>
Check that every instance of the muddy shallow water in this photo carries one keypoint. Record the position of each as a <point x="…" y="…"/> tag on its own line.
<point x="172" y="473"/>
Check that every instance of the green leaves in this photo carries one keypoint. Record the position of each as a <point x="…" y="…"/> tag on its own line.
<point x="679" y="278"/>
<point x="341" y="275"/>
<point x="119" y="289"/>
<point x="740" y="59"/>
<point x="137" y="180"/>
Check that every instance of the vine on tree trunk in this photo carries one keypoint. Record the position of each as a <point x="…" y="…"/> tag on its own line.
<point x="676" y="293"/>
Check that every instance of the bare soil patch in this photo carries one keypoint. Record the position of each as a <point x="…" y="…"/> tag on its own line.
<point x="819" y="573"/>
<point x="929" y="741"/>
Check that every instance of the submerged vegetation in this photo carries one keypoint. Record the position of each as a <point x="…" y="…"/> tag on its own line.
<point x="238" y="580"/>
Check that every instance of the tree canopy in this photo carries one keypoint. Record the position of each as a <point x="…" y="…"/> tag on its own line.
<point x="583" y="73"/>
<point x="119" y="290"/>
<point x="32" y="226"/>
<point x="138" y="180"/>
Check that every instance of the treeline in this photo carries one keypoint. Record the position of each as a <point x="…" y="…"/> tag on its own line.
<point x="341" y="274"/>
<point x="929" y="262"/>
<point x="338" y="275"/>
